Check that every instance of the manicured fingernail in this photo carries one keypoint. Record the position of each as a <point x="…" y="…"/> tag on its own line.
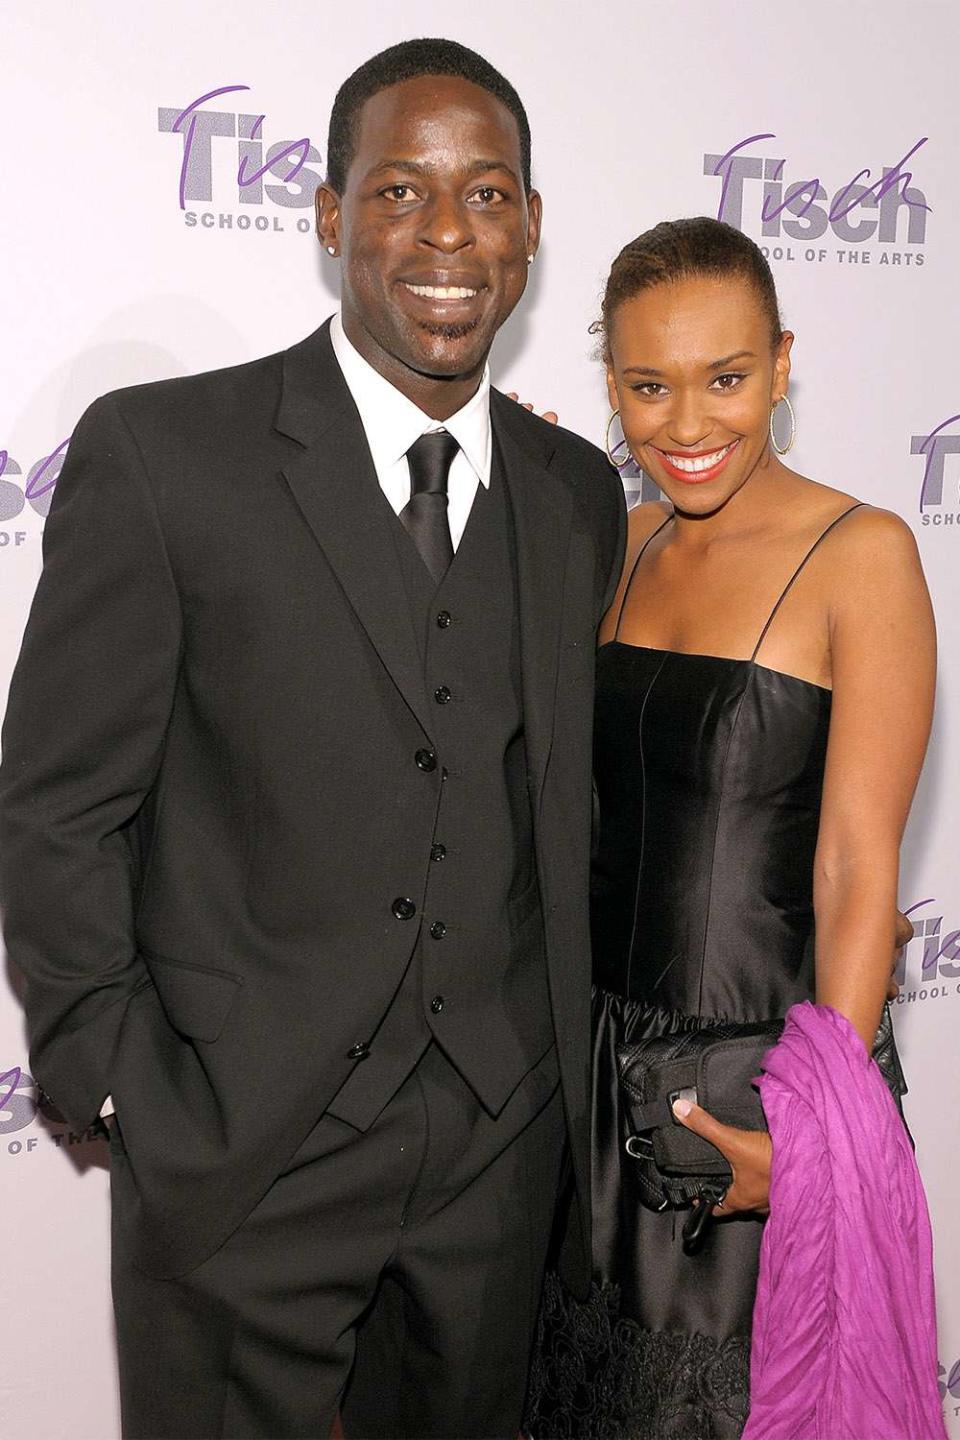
<point x="682" y="1108"/>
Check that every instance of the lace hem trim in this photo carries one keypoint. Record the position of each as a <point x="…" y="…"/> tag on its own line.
<point x="598" y="1375"/>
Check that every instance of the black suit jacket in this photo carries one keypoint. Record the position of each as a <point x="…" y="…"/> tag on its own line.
<point x="209" y="799"/>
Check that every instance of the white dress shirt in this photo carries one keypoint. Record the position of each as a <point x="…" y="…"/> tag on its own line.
<point x="392" y="423"/>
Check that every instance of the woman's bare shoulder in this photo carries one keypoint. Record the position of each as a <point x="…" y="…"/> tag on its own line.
<point x="867" y="533"/>
<point x="871" y="525"/>
<point x="870" y="568"/>
<point x="858" y="530"/>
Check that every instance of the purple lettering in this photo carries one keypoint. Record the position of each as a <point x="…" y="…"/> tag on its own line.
<point x="31" y="490"/>
<point x="250" y="150"/>
<point x="948" y="955"/>
<point x="191" y="132"/>
<point x="891" y="178"/>
<point x="812" y="185"/>
<point x="14" y="1077"/>
<point x="302" y="145"/>
<point x="732" y="168"/>
<point x="935" y="447"/>
<point x="879" y="188"/>
<point x="835" y="212"/>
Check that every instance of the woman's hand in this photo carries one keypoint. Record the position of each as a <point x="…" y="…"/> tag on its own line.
<point x="550" y="415"/>
<point x="749" y="1153"/>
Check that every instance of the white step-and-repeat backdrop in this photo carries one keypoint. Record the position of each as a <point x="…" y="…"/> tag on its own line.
<point x="150" y="227"/>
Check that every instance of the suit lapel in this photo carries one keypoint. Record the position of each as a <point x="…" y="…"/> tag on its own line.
<point x="335" y="485"/>
<point x="542" y="511"/>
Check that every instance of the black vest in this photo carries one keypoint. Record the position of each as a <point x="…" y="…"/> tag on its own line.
<point x="476" y="982"/>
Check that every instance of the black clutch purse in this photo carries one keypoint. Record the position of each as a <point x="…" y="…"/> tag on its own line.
<point x="713" y="1067"/>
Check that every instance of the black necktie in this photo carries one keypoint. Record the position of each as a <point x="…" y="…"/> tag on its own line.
<point x="424" y="517"/>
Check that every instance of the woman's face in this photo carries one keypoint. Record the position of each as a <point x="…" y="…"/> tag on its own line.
<point x="694" y="376"/>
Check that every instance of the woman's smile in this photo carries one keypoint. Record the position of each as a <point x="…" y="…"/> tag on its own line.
<point x="694" y="467"/>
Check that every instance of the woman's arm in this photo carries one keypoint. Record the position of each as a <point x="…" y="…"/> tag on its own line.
<point x="883" y="654"/>
<point x="883" y="658"/>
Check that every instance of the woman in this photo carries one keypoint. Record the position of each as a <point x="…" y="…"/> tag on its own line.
<point x="764" y="695"/>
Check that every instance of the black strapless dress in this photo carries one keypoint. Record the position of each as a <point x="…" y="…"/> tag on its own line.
<point x="709" y="774"/>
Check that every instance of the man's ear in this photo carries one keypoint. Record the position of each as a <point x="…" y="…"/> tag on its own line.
<point x="327" y="203"/>
<point x="534" y="221"/>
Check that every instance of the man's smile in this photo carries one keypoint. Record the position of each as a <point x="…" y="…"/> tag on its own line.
<point x="442" y="292"/>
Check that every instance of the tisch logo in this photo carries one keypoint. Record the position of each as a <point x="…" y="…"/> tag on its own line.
<point x="638" y="486"/>
<point x="35" y="492"/>
<point x="757" y="197"/>
<point x="203" y="131"/>
<point x="21" y="1103"/>
<point x="929" y="964"/>
<point x="935" y="448"/>
<point x="948" y="1383"/>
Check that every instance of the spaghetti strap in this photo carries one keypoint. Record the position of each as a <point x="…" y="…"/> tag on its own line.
<point x="796" y="574"/>
<point x="633" y="570"/>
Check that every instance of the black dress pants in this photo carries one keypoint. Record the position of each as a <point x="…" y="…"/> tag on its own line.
<point x="394" y="1274"/>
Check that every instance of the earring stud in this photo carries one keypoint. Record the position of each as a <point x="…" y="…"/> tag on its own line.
<point x="331" y="249"/>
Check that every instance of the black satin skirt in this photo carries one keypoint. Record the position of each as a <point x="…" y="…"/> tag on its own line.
<point x="661" y="1347"/>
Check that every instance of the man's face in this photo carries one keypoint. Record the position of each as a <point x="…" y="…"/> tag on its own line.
<point x="434" y="227"/>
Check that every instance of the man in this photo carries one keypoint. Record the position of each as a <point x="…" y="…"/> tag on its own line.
<point x="296" y="798"/>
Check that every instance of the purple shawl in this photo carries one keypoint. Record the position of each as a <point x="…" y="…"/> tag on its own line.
<point x="844" y="1332"/>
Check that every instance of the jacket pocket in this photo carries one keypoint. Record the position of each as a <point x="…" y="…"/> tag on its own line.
<point x="195" y="998"/>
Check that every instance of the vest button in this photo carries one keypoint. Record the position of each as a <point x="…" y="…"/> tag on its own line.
<point x="358" y="1052"/>
<point x="426" y="760"/>
<point x="442" y="695"/>
<point x="438" y="929"/>
<point x="404" y="908"/>
<point x="438" y="852"/>
<point x="436" y="1004"/>
<point x="444" y="619"/>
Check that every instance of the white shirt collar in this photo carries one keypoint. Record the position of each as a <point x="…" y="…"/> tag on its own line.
<point x="392" y="422"/>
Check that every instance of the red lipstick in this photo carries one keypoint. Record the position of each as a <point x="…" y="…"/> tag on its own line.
<point x="693" y="471"/>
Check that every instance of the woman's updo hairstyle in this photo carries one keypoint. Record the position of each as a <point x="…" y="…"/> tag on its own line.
<point x="678" y="249"/>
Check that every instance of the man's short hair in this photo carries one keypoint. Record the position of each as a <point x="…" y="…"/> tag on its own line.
<point x="407" y="61"/>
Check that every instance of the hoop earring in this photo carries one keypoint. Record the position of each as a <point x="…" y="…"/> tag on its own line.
<point x="782" y="450"/>
<point x="617" y="464"/>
